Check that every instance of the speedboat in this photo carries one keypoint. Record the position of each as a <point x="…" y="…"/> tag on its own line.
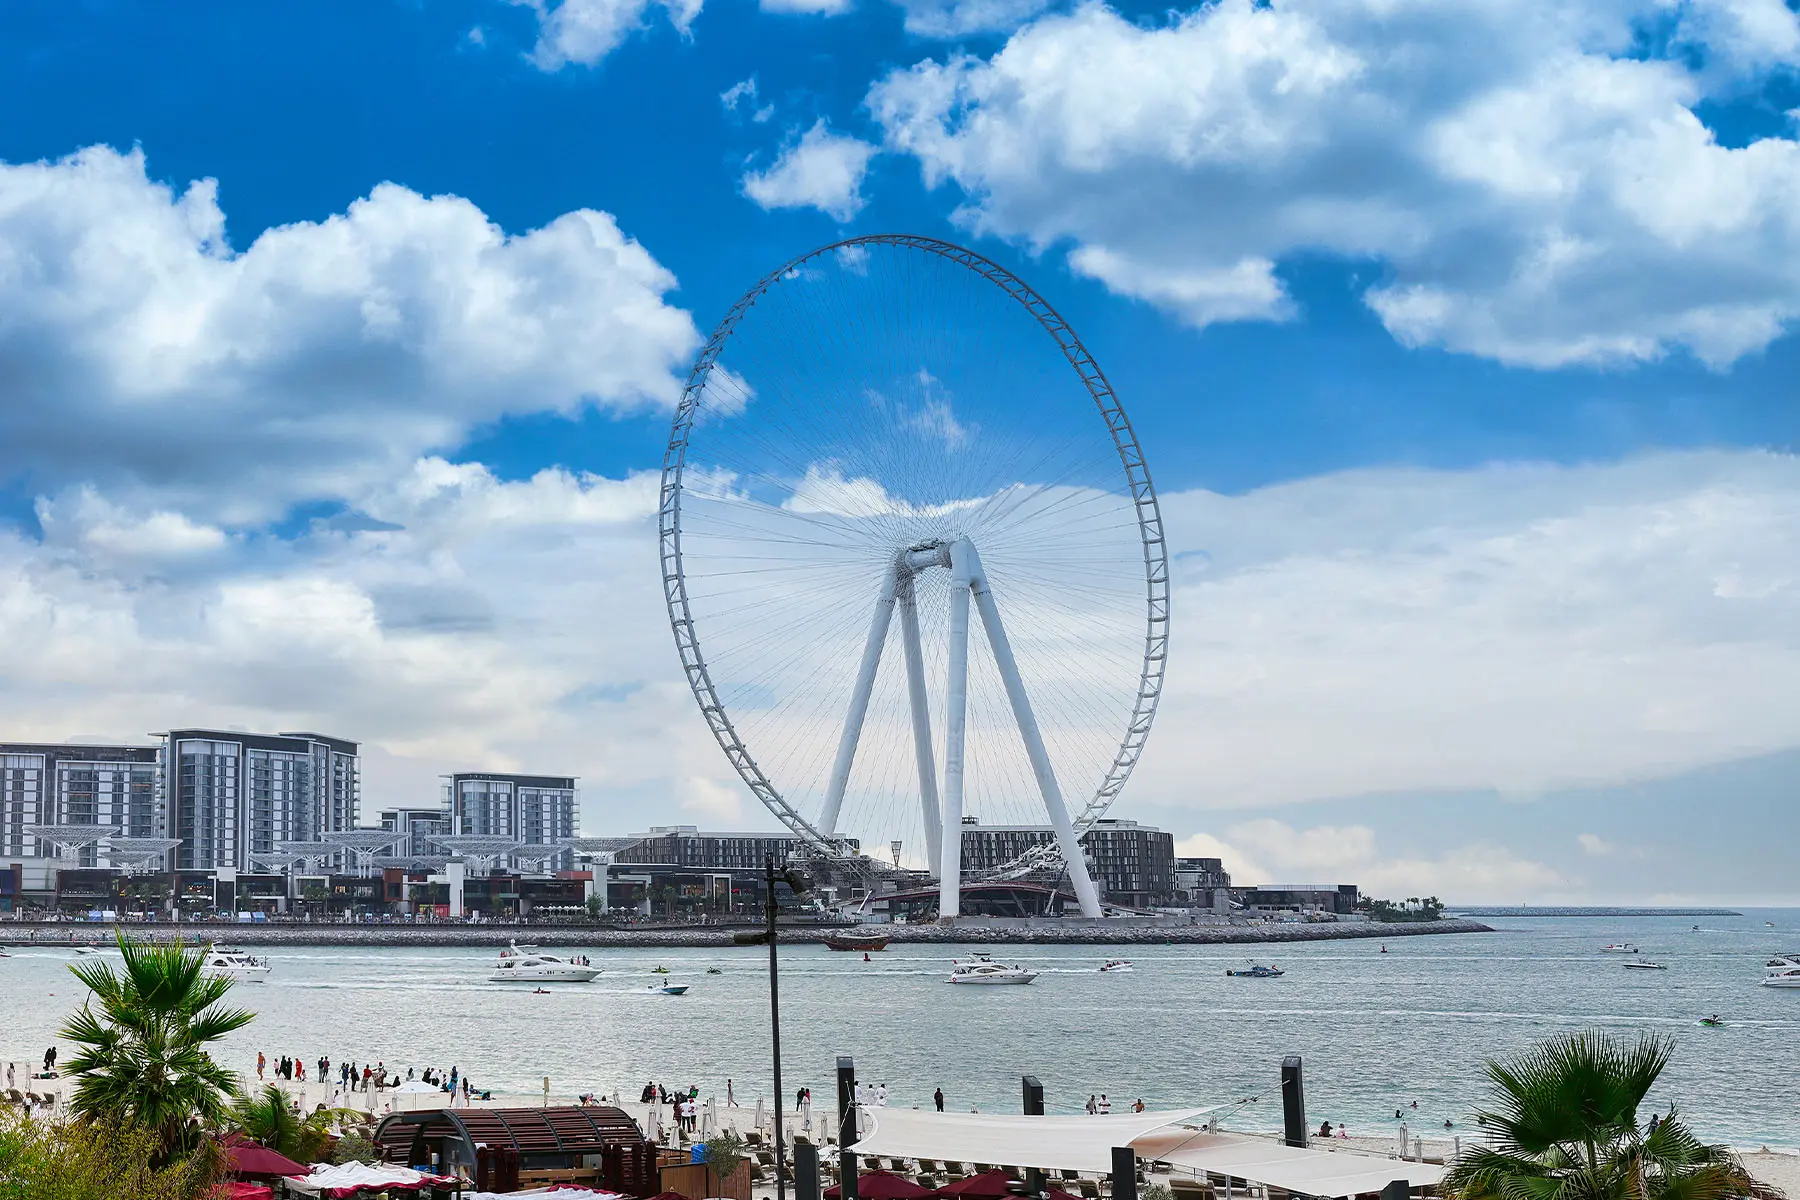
<point x="1782" y="971"/>
<point x="1619" y="948"/>
<point x="1116" y="965"/>
<point x="1643" y="964"/>
<point x="670" y="989"/>
<point x="983" y="969"/>
<point x="528" y="964"/>
<point x="85" y="950"/>
<point x="1256" y="971"/>
<point x="229" y="962"/>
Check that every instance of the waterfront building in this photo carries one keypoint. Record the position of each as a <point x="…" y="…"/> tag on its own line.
<point x="231" y="794"/>
<point x="1132" y="864"/>
<point x="538" y="809"/>
<point x="1203" y="883"/>
<point x="73" y="784"/>
<point x="686" y="846"/>
<point x="419" y="826"/>
<point x="1339" y="898"/>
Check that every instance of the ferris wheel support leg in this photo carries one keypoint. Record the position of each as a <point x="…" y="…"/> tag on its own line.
<point x="956" y="711"/>
<point x="859" y="703"/>
<point x="921" y="723"/>
<point x="1085" y="895"/>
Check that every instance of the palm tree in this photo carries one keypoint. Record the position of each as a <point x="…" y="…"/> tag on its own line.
<point x="1566" y="1128"/>
<point x="142" y="1059"/>
<point x="267" y="1117"/>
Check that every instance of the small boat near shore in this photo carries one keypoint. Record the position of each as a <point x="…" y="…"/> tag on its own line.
<point x="1256" y="971"/>
<point x="528" y="964"/>
<point x="229" y="962"/>
<point x="1782" y="971"/>
<point x="1620" y="948"/>
<point x="1116" y="966"/>
<point x="1643" y="964"/>
<point x="981" y="968"/>
<point x="669" y="989"/>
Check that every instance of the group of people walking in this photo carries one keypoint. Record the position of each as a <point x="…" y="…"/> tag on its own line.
<point x="684" y="1106"/>
<point x="365" y="1078"/>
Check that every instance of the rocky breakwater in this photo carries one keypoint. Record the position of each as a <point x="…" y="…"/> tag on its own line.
<point x="981" y="931"/>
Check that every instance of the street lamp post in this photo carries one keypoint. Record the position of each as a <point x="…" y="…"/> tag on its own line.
<point x="775" y="1027"/>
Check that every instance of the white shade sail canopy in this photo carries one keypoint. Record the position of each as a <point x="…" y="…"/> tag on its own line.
<point x="1086" y="1143"/>
<point x="1055" y="1143"/>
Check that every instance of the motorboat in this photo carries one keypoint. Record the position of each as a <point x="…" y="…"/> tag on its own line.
<point x="528" y="964"/>
<point x="669" y="989"/>
<point x="856" y="939"/>
<point x="86" y="950"/>
<point x="1256" y="971"/>
<point x="983" y="969"/>
<point x="1782" y="971"/>
<point x="1712" y="1022"/>
<point x="1116" y="966"/>
<point x="1643" y="964"/>
<point x="229" y="962"/>
<point x="1619" y="948"/>
<point x="715" y="970"/>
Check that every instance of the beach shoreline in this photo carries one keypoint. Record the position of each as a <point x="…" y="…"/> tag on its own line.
<point x="24" y="933"/>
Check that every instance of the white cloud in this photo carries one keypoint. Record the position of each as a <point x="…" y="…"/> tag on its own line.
<point x="586" y="31"/>
<point x="824" y="8"/>
<point x="960" y="18"/>
<point x="1514" y="627"/>
<point x="1536" y="189"/>
<point x="150" y="359"/>
<point x="1270" y="851"/>
<point x="1595" y="846"/>
<point x="820" y="169"/>
<point x="742" y="95"/>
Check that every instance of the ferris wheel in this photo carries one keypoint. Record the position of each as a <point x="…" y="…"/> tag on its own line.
<point x="882" y="439"/>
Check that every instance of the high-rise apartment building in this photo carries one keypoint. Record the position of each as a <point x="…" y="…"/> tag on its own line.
<point x="64" y="784"/>
<point x="540" y="809"/>
<point x="419" y="826"/>
<point x="230" y="795"/>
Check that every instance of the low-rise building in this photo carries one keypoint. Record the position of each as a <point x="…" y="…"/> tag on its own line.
<point x="1337" y="898"/>
<point x="1132" y="864"/>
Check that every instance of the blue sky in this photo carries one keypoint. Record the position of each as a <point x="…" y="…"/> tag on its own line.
<point x="1458" y="338"/>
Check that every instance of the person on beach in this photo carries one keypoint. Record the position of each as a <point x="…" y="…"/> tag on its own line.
<point x="1139" y="1106"/>
<point x="730" y="1100"/>
<point x="938" y="1099"/>
<point x="1325" y="1129"/>
<point x="9" y="1075"/>
<point x="881" y="1095"/>
<point x="1105" y="1104"/>
<point x="1093" y="1106"/>
<point x="50" y="1059"/>
<point x="261" y="1062"/>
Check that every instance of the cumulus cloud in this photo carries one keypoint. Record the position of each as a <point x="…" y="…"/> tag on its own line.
<point x="1594" y="846"/>
<point x="1535" y="187"/>
<point x="741" y="97"/>
<point x="585" y="31"/>
<point x="147" y="357"/>
<point x="1271" y="851"/>
<point x="820" y="169"/>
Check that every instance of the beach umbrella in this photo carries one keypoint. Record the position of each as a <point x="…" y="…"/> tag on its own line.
<point x="989" y="1185"/>
<point x="245" y="1157"/>
<point x="882" y="1185"/>
<point x="757" y="1121"/>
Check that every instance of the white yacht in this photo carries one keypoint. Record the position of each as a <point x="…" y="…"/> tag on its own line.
<point x="229" y="962"/>
<point x="980" y="968"/>
<point x="1782" y="971"/>
<point x="528" y="964"/>
<point x="1643" y="964"/>
<point x="1619" y="948"/>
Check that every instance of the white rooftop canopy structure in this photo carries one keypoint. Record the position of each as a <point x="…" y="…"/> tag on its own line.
<point x="1086" y="1144"/>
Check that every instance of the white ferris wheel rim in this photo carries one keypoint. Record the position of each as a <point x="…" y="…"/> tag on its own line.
<point x="1147" y="511"/>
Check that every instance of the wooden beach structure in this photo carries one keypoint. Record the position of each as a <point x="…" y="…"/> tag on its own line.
<point x="506" y="1149"/>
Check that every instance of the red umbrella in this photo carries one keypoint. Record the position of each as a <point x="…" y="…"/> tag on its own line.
<point x="245" y="1157"/>
<point x="882" y="1185"/>
<point x="244" y="1191"/>
<point x="989" y="1185"/>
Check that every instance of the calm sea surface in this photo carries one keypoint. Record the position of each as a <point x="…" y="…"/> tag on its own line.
<point x="1377" y="1031"/>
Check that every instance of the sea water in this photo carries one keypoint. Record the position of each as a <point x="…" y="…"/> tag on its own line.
<point x="1377" y="1032"/>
